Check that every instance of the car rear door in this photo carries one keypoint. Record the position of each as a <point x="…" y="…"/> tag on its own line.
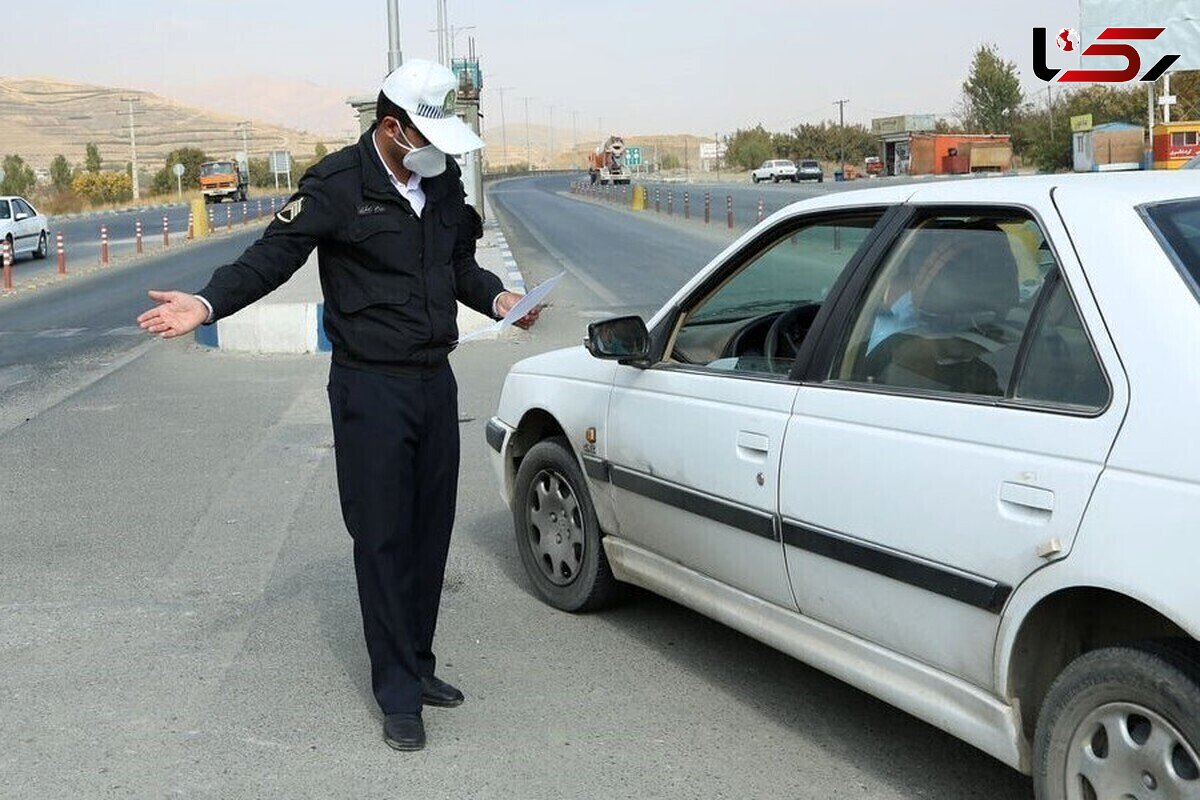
<point x="695" y="440"/>
<point x="947" y="442"/>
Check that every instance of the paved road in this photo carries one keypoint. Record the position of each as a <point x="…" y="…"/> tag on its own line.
<point x="81" y="235"/>
<point x="180" y="620"/>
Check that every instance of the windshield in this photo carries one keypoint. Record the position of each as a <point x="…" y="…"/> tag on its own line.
<point x="1178" y="226"/>
<point x="809" y="164"/>
<point x="217" y="168"/>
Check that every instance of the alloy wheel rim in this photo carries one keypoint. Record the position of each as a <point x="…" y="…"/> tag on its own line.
<point x="555" y="527"/>
<point x="1129" y="752"/>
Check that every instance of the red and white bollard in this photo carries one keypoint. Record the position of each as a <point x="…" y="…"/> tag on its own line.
<point x="687" y="205"/>
<point x="258" y="214"/>
<point x="657" y="200"/>
<point x="166" y="232"/>
<point x="245" y="214"/>
<point x="707" y="207"/>
<point x="272" y="206"/>
<point x="228" y="218"/>
<point x="210" y="219"/>
<point x="670" y="203"/>
<point x="103" y="245"/>
<point x="729" y="210"/>
<point x="760" y="210"/>
<point x="62" y="254"/>
<point x="6" y="256"/>
<point x="191" y="234"/>
<point x="138" y="236"/>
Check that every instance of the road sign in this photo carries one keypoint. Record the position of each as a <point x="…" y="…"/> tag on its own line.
<point x="633" y="156"/>
<point x="1081" y="123"/>
<point x="281" y="161"/>
<point x="178" y="170"/>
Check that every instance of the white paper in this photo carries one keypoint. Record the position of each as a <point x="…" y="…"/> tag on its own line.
<point x="526" y="304"/>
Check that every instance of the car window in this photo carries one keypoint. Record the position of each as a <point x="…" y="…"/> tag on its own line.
<point x="1178" y="225"/>
<point x="1061" y="366"/>
<point x="4" y="210"/>
<point x="949" y="306"/>
<point x="23" y="207"/>
<point x="733" y="328"/>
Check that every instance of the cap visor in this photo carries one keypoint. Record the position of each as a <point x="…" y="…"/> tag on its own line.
<point x="450" y="135"/>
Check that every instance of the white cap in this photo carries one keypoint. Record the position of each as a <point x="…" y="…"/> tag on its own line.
<point x="427" y="91"/>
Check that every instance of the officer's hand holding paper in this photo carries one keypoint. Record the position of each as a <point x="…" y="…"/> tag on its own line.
<point x="527" y="306"/>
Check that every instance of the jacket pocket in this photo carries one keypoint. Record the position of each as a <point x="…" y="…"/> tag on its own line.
<point x="363" y="228"/>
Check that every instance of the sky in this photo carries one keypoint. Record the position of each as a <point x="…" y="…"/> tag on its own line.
<point x="665" y="66"/>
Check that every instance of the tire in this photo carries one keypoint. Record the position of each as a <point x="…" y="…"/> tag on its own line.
<point x="43" y="248"/>
<point x="754" y="179"/>
<point x="1130" y="716"/>
<point x="570" y="573"/>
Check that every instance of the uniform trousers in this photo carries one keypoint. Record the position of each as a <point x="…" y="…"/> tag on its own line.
<point x="397" y="451"/>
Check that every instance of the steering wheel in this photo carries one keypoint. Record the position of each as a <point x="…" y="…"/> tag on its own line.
<point x="786" y="333"/>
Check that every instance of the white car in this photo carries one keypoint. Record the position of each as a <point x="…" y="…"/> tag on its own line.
<point x="775" y="170"/>
<point x="937" y="441"/>
<point x="23" y="228"/>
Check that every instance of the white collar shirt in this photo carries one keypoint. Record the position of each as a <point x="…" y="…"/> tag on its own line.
<point x="411" y="191"/>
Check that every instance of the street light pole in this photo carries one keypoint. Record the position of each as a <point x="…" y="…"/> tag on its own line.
<point x="551" y="126"/>
<point x="137" y="189"/>
<point x="841" y="104"/>
<point x="528" y="147"/>
<point x="394" y="57"/>
<point x="503" y="127"/>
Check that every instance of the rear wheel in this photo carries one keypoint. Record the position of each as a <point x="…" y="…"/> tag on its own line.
<point x="1122" y="722"/>
<point x="558" y="535"/>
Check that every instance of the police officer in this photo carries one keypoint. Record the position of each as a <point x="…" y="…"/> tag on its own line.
<point x="396" y="248"/>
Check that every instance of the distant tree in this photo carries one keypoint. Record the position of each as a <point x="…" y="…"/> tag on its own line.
<point x="18" y="176"/>
<point x="260" y="173"/>
<point x="670" y="161"/>
<point x="320" y="151"/>
<point x="103" y="187"/>
<point x="60" y="173"/>
<point x="93" y="162"/>
<point x="991" y="93"/>
<point x="943" y="125"/>
<point x="748" y="149"/>
<point x="191" y="158"/>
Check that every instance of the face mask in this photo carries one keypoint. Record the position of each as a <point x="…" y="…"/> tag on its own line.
<point x="427" y="161"/>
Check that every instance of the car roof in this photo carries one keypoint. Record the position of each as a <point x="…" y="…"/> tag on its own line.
<point x="1129" y="188"/>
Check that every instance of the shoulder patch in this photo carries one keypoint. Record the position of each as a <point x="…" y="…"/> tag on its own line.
<point x="288" y="213"/>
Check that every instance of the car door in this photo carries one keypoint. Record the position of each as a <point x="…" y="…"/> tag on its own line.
<point x="26" y="235"/>
<point x="8" y="226"/>
<point x="948" y="444"/>
<point x="694" y="441"/>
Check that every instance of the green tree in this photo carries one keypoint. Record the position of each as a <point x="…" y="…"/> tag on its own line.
<point x="320" y="151"/>
<point x="260" y="173"/>
<point x="670" y="161"/>
<point x="103" y="187"/>
<point x="18" y="176"/>
<point x="991" y="93"/>
<point x="747" y="149"/>
<point x="93" y="162"/>
<point x="60" y="173"/>
<point x="191" y="158"/>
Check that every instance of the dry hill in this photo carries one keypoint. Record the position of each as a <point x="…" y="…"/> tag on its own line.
<point x="40" y="118"/>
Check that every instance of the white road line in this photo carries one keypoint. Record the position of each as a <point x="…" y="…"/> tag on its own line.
<point x="59" y="333"/>
<point x="128" y="330"/>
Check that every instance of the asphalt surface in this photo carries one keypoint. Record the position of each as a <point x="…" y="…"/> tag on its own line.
<point x="81" y="234"/>
<point x="178" y="615"/>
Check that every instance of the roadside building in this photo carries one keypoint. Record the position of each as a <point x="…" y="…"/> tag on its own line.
<point x="1175" y="143"/>
<point x="909" y="146"/>
<point x="1109" y="147"/>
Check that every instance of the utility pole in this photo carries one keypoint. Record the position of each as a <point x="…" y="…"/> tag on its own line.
<point x="528" y="147"/>
<point x="717" y="154"/>
<point x="394" y="57"/>
<point x="551" y="135"/>
<point x="441" y="31"/>
<point x="137" y="189"/>
<point x="841" y="104"/>
<point x="503" y="127"/>
<point x="243" y="128"/>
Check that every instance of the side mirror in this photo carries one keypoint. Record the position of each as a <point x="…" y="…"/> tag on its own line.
<point x="623" y="339"/>
<point x="20" y="215"/>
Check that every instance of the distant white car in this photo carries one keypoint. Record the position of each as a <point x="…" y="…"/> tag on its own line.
<point x="23" y="228"/>
<point x="936" y="441"/>
<point x="774" y="170"/>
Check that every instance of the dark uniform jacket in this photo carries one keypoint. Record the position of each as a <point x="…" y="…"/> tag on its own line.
<point x="390" y="278"/>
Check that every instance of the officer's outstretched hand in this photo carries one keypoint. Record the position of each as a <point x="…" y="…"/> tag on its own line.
<point x="177" y="313"/>
<point x="507" y="300"/>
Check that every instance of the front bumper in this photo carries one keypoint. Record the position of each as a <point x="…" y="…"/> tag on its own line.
<point x="497" y="434"/>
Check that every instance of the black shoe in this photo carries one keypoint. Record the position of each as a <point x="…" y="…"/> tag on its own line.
<point x="404" y="731"/>
<point x="436" y="692"/>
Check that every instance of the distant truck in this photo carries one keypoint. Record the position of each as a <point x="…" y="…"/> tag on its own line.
<point x="222" y="180"/>
<point x="607" y="164"/>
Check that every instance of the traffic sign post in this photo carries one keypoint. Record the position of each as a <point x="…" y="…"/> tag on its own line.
<point x="178" y="170"/>
<point x="633" y="157"/>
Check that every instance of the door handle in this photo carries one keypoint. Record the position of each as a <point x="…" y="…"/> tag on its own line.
<point x="754" y="445"/>
<point x="1020" y="494"/>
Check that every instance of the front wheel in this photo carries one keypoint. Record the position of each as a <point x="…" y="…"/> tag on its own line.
<point x="1121" y="722"/>
<point x="558" y="535"/>
<point x="43" y="248"/>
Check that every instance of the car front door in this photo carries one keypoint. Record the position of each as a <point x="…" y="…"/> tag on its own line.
<point x="27" y="231"/>
<point x="949" y="443"/>
<point x="8" y="226"/>
<point x="695" y="440"/>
